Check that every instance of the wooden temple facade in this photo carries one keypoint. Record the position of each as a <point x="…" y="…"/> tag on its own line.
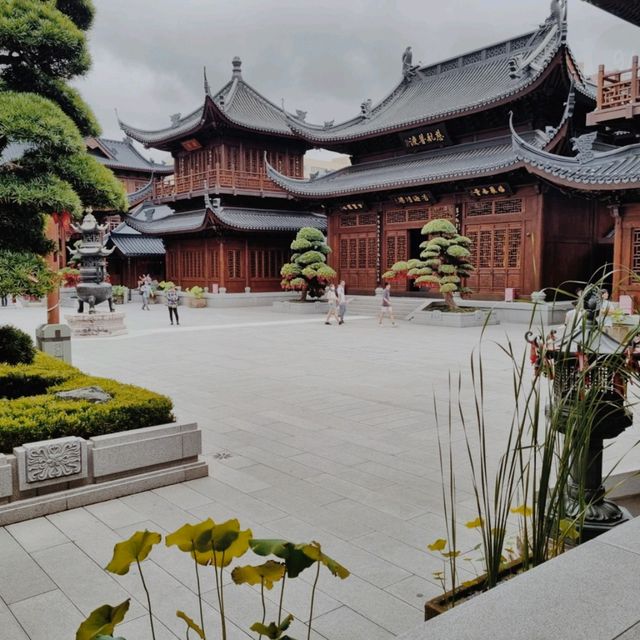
<point x="440" y="146"/>
<point x="223" y="222"/>
<point x="500" y="140"/>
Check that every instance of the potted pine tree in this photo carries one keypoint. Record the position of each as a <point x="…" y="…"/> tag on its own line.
<point x="308" y="271"/>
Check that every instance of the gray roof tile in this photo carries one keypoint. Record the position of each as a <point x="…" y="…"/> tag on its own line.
<point x="442" y="165"/>
<point x="628" y="10"/>
<point x="132" y="243"/>
<point x="247" y="219"/>
<point x="123" y="155"/>
<point x="590" y="170"/>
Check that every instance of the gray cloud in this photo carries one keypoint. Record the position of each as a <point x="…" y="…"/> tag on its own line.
<point x="323" y="56"/>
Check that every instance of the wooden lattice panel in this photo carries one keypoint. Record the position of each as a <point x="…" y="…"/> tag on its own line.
<point x="417" y="215"/>
<point x="513" y="205"/>
<point x="510" y="206"/>
<point x="372" y="253"/>
<point x="344" y="251"/>
<point x="484" y="249"/>
<point x="362" y="253"/>
<point x="499" y="242"/>
<point x="353" y="249"/>
<point x="396" y="216"/>
<point x="367" y="218"/>
<point x="213" y="264"/>
<point x="444" y="211"/>
<point x="349" y="220"/>
<point x="514" y="248"/>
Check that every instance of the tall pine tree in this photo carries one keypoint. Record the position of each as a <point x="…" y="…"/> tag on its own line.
<point x="44" y="165"/>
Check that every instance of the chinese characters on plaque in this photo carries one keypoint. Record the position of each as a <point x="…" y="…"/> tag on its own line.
<point x="415" y="198"/>
<point x="429" y="137"/>
<point x="352" y="206"/>
<point x="491" y="190"/>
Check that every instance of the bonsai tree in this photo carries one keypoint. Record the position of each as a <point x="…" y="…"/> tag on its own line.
<point x="308" y="271"/>
<point x="43" y="119"/>
<point x="444" y="261"/>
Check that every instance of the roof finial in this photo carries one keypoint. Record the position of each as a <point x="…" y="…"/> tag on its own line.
<point x="207" y="88"/>
<point x="237" y="67"/>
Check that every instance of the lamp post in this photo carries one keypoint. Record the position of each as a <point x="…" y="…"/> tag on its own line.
<point x="590" y="371"/>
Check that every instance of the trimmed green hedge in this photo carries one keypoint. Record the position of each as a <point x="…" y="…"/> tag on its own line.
<point x="29" y="410"/>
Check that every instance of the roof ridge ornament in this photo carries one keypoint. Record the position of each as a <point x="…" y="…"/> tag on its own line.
<point x="236" y="63"/>
<point x="207" y="87"/>
<point x="365" y="108"/>
<point x="584" y="146"/>
<point x="409" y="70"/>
<point x="301" y="115"/>
<point x="175" y="119"/>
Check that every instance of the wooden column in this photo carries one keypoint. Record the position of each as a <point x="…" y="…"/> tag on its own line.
<point x="221" y="264"/>
<point x="246" y="263"/>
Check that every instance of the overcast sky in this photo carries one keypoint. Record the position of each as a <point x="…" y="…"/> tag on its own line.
<point x="322" y="56"/>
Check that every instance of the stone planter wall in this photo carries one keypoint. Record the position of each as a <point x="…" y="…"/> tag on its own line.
<point x="300" y="308"/>
<point x="45" y="477"/>
<point x="545" y="313"/>
<point x="438" y="318"/>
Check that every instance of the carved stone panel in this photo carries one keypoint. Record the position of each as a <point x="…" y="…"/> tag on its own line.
<point x="50" y="462"/>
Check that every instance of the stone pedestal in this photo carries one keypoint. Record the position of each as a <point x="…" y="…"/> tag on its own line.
<point x="55" y="340"/>
<point x="96" y="324"/>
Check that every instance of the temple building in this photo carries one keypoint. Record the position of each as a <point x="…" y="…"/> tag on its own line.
<point x="439" y="146"/>
<point x="223" y="222"/>
<point x="134" y="253"/>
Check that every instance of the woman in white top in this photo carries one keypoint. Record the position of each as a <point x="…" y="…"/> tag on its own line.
<point x="332" y="299"/>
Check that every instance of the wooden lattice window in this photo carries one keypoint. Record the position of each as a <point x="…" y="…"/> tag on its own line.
<point x="391" y="250"/>
<point x="635" y="251"/>
<point x="349" y="220"/>
<point x="513" y="205"/>
<point x="515" y="243"/>
<point x="482" y="208"/>
<point x="367" y="218"/>
<point x="499" y="240"/>
<point x="445" y="211"/>
<point x="396" y="216"/>
<point x="371" y="253"/>
<point x="484" y="249"/>
<point x="417" y="215"/>
<point x="234" y="263"/>
<point x="473" y="236"/>
<point x="344" y="248"/>
<point x="353" y="249"/>
<point x="266" y="263"/>
<point x="362" y="253"/>
<point x="192" y="263"/>
<point x="213" y="263"/>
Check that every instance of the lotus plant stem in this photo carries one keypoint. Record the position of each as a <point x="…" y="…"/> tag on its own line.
<point x="144" y="584"/>
<point x="281" y="598"/>
<point x="224" y="621"/>
<point x="218" y="589"/>
<point x="264" y="606"/>
<point x="199" y="599"/>
<point x="313" y="594"/>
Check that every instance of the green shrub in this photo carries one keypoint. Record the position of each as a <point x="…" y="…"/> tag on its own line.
<point x="16" y="346"/>
<point x="31" y="412"/>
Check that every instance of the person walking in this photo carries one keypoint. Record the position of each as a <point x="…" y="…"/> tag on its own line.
<point x="172" y="304"/>
<point x="332" y="300"/>
<point x="386" y="305"/>
<point x="342" y="302"/>
<point x="145" y="290"/>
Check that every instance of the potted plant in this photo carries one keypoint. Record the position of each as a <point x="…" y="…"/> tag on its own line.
<point x="118" y="293"/>
<point x="195" y="298"/>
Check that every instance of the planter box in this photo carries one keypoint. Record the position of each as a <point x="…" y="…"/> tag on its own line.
<point x="54" y="475"/>
<point x="437" y="318"/>
<point x="195" y="303"/>
<point x="299" y="308"/>
<point x="545" y="314"/>
<point x="436" y="606"/>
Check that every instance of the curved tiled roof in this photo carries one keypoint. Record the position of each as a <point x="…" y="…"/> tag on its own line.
<point x="471" y="82"/>
<point x="237" y="102"/>
<point x="132" y="243"/>
<point x="442" y="165"/>
<point x="121" y="154"/>
<point x="141" y="194"/>
<point x="187" y="222"/>
<point x="250" y="219"/>
<point x="590" y="170"/>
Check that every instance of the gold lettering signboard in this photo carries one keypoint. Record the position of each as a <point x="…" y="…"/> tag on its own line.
<point x="426" y="138"/>
<point x="491" y="190"/>
<point x="415" y="198"/>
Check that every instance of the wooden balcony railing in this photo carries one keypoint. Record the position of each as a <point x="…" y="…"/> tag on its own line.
<point x="618" y="94"/>
<point x="214" y="178"/>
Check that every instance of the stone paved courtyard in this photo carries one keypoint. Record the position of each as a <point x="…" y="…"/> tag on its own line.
<point x="311" y="433"/>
